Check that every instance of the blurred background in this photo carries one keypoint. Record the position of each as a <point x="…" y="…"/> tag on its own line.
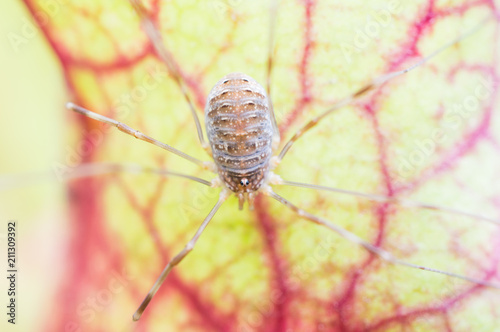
<point x="32" y="127"/>
<point x="89" y="249"/>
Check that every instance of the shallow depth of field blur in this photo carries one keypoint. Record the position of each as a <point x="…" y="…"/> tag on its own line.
<point x="90" y="249"/>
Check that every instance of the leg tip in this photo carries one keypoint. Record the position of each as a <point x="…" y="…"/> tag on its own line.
<point x="70" y="105"/>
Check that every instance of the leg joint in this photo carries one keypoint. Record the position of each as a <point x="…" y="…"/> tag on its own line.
<point x="189" y="247"/>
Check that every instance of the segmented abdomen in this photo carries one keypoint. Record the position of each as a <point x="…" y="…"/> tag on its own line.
<point x="239" y="130"/>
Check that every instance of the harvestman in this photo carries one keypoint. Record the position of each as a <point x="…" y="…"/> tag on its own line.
<point x="243" y="139"/>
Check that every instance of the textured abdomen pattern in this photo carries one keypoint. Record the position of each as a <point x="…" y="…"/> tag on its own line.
<point x="240" y="131"/>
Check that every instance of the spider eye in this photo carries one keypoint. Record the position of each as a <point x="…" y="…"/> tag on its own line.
<point x="244" y="182"/>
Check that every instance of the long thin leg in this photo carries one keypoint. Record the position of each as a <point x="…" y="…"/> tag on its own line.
<point x="64" y="173"/>
<point x="94" y="169"/>
<point x="384" y="255"/>
<point x="371" y="86"/>
<point x="180" y="256"/>
<point x="156" y="39"/>
<point x="273" y="13"/>
<point x="137" y="134"/>
<point x="389" y="199"/>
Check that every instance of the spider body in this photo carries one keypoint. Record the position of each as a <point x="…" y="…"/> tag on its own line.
<point x="240" y="132"/>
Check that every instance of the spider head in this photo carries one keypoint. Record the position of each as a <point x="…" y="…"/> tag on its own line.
<point x="244" y="182"/>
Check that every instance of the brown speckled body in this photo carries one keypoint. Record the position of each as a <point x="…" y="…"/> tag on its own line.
<point x="240" y="131"/>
